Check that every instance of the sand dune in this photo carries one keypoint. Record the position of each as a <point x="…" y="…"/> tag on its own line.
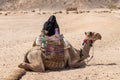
<point x="17" y="33"/>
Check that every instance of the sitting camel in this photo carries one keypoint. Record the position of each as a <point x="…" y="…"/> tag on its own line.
<point x="36" y="60"/>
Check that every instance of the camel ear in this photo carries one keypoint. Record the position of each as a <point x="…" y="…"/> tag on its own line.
<point x="91" y="34"/>
<point x="85" y="33"/>
<point x="98" y="36"/>
<point x="34" y="43"/>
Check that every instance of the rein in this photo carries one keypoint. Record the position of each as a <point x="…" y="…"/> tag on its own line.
<point x="91" y="45"/>
<point x="88" y="60"/>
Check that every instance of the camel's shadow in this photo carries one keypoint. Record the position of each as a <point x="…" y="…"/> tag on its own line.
<point x="68" y="69"/>
<point x="109" y="64"/>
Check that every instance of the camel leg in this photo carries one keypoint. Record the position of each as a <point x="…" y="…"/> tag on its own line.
<point x="26" y="66"/>
<point x="35" y="62"/>
<point x="78" y="64"/>
<point x="72" y="58"/>
<point x="69" y="62"/>
<point x="67" y="58"/>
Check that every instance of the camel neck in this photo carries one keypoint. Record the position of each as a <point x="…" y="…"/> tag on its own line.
<point x="85" y="51"/>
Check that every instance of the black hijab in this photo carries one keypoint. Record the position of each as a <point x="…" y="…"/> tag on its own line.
<point x="50" y="25"/>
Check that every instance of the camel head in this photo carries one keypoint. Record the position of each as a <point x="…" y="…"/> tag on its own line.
<point x="91" y="37"/>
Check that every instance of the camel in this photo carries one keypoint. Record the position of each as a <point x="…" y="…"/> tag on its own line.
<point x="35" y="59"/>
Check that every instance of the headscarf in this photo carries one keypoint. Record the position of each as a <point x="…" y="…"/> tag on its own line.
<point x="52" y="19"/>
<point x="50" y="25"/>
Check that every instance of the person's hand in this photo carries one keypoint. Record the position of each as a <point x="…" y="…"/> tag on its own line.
<point x="57" y="35"/>
<point x="46" y="32"/>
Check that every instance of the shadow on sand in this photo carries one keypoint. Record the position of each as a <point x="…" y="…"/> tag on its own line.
<point x="109" y="64"/>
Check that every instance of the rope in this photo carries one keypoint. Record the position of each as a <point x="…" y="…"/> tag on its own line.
<point x="88" y="60"/>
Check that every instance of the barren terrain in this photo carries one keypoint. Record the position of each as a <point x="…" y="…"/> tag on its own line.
<point x="18" y="31"/>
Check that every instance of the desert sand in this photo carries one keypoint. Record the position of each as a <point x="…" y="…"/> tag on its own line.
<point x="18" y="31"/>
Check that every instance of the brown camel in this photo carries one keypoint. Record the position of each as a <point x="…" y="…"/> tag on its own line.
<point x="36" y="60"/>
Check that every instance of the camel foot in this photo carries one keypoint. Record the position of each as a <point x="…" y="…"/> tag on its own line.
<point x="24" y="66"/>
<point x="82" y="64"/>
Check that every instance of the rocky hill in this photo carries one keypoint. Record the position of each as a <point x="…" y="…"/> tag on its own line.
<point x="56" y="4"/>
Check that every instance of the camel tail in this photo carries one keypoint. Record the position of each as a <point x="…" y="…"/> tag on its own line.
<point x="16" y="75"/>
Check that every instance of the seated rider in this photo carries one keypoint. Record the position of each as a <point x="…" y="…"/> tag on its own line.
<point x="50" y="30"/>
<point x="51" y="27"/>
<point x="50" y="35"/>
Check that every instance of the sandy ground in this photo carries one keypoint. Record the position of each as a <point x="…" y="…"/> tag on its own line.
<point x="18" y="31"/>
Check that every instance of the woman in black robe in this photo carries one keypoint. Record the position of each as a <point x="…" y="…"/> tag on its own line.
<point x="51" y="27"/>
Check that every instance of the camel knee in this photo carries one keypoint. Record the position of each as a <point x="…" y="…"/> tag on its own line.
<point x="32" y="67"/>
<point x="37" y="68"/>
<point x="78" y="64"/>
<point x="25" y="66"/>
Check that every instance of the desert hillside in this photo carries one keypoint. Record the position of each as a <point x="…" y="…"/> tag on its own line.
<point x="57" y="4"/>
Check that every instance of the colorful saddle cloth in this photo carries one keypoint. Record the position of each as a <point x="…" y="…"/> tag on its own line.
<point x="54" y="54"/>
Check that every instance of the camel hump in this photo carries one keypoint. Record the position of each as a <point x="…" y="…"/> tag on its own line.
<point x="16" y="75"/>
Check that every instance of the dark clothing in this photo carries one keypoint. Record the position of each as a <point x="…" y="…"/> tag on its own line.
<point x="51" y="25"/>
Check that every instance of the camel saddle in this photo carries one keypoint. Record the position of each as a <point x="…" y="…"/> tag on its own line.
<point x="54" y="54"/>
